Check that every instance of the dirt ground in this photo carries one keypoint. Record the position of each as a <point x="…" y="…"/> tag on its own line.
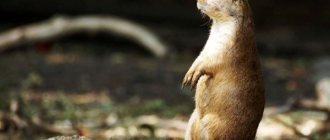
<point x="79" y="84"/>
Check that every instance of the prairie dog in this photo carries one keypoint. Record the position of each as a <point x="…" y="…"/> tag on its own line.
<point x="229" y="99"/>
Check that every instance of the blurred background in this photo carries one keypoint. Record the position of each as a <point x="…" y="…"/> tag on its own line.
<point x="93" y="80"/>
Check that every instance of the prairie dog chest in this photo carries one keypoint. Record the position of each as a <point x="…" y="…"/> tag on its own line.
<point x="222" y="37"/>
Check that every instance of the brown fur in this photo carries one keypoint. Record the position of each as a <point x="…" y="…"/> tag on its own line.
<point x="229" y="87"/>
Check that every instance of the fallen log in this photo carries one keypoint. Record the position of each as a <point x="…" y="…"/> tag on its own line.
<point x="61" y="26"/>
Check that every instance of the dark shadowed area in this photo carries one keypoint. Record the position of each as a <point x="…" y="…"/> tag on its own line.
<point x="107" y="84"/>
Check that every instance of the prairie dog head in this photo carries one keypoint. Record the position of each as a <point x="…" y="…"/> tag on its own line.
<point x="221" y="9"/>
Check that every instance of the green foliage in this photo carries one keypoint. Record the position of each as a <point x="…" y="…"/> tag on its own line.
<point x="61" y="108"/>
<point x="33" y="79"/>
<point x="67" y="106"/>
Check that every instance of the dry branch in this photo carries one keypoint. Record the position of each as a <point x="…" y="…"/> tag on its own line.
<point x="37" y="123"/>
<point x="60" y="26"/>
<point x="293" y="128"/>
<point x="320" y="104"/>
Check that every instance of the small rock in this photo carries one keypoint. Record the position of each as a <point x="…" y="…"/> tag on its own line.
<point x="111" y="120"/>
<point x="323" y="92"/>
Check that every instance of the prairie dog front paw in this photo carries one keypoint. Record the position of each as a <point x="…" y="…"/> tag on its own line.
<point x="199" y="68"/>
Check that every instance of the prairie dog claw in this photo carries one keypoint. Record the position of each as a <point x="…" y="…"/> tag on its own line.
<point x="191" y="78"/>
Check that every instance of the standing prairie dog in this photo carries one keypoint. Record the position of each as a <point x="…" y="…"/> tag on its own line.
<point x="227" y="76"/>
